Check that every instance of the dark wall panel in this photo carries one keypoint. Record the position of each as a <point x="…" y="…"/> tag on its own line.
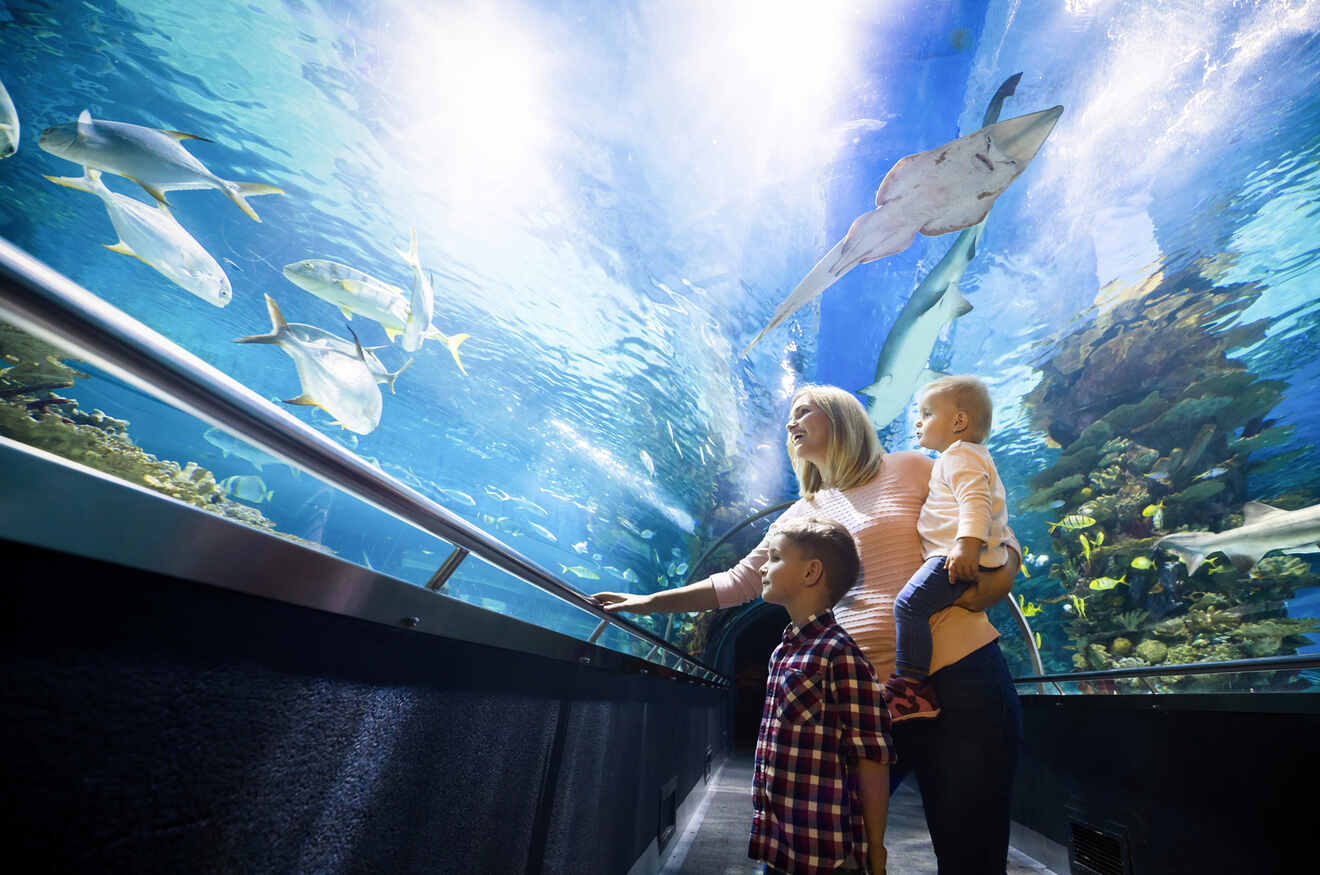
<point x="152" y="724"/>
<point x="1190" y="784"/>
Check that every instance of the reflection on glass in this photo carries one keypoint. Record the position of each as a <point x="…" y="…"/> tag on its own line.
<point x="516" y="251"/>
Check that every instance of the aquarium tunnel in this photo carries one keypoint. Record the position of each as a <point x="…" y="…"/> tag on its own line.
<point x="349" y="350"/>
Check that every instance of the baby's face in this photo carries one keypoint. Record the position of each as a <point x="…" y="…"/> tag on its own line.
<point x="937" y="421"/>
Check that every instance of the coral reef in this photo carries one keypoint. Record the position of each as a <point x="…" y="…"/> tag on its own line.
<point x="1158" y="430"/>
<point x="31" y="412"/>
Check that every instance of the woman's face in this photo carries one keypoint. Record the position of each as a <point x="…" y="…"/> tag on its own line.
<point x="809" y="430"/>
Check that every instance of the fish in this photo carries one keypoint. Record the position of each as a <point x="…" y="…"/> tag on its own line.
<point x="1029" y="609"/>
<point x="1072" y="521"/>
<point x="421" y="305"/>
<point x="9" y="127"/>
<point x="1159" y="476"/>
<point x="228" y="445"/>
<point x="352" y="291"/>
<point x="579" y="571"/>
<point x="358" y="293"/>
<point x="310" y="335"/>
<point x="543" y="532"/>
<point x="934" y="192"/>
<point x="498" y="493"/>
<point x="247" y="487"/>
<point x="456" y="496"/>
<point x="1055" y="504"/>
<point x="1142" y="563"/>
<point x="580" y="547"/>
<point x="154" y="159"/>
<point x="1264" y="529"/>
<point x="1152" y="509"/>
<point x="1078" y="605"/>
<point x="1103" y="583"/>
<point x="630" y="575"/>
<point x="647" y="462"/>
<point x="1086" y="547"/>
<point x="151" y="234"/>
<point x="1057" y="598"/>
<point x="901" y="369"/>
<point x="648" y="534"/>
<point x="1038" y="641"/>
<point x="1157" y="588"/>
<point x="1211" y="474"/>
<point x="339" y="383"/>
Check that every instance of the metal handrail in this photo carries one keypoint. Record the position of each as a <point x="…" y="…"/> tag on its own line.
<point x="1264" y="663"/>
<point x="53" y="307"/>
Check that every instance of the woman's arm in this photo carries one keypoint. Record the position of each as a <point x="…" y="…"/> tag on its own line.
<point x="991" y="586"/>
<point x="699" y="596"/>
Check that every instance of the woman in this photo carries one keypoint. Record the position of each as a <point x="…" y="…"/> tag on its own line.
<point x="964" y="760"/>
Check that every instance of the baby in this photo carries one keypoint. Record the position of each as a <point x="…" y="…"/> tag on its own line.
<point x="961" y="525"/>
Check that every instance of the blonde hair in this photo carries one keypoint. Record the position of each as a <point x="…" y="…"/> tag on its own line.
<point x="853" y="453"/>
<point x="970" y="396"/>
<point x="827" y="541"/>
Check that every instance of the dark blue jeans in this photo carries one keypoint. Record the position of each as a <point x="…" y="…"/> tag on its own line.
<point x="926" y="593"/>
<point x="964" y="761"/>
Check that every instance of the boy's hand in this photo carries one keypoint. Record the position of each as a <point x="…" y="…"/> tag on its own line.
<point x="961" y="563"/>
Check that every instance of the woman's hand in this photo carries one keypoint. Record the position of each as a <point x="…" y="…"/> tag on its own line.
<point x="991" y="586"/>
<point x="622" y="601"/>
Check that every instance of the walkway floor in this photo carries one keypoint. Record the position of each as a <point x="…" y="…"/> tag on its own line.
<point x="716" y="841"/>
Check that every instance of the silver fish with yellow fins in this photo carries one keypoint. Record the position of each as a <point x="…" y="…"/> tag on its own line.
<point x="9" y="127"/>
<point x="341" y="385"/>
<point x="152" y="158"/>
<point x="152" y="235"/>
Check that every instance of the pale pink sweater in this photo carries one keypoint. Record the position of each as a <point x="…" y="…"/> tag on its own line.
<point x="882" y="517"/>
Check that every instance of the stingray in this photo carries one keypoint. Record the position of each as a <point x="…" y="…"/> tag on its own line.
<point x="934" y="192"/>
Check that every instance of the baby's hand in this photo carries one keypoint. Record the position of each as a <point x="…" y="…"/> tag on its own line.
<point x="962" y="560"/>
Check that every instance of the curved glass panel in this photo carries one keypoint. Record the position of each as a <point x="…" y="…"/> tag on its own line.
<point x="513" y="251"/>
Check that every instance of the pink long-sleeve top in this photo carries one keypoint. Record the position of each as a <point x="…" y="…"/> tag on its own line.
<point x="882" y="517"/>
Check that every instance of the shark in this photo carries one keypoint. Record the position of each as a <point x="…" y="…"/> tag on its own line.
<point x="9" y="127"/>
<point x="151" y="234"/>
<point x="901" y="366"/>
<point x="339" y="383"/>
<point x="1264" y="528"/>
<point x="151" y="157"/>
<point x="935" y="192"/>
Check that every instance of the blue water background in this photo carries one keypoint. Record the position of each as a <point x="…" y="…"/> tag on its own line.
<point x="614" y="197"/>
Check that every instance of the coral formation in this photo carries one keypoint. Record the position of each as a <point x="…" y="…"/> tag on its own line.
<point x="31" y="413"/>
<point x="1158" y="430"/>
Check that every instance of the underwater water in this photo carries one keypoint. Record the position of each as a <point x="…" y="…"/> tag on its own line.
<point x="612" y="199"/>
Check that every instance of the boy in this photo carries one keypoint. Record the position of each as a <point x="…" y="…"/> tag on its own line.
<point x="821" y="782"/>
<point x="961" y="526"/>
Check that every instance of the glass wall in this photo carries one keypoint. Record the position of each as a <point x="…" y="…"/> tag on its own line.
<point x="513" y="253"/>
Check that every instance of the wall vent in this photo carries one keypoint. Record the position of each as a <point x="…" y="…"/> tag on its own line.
<point x="1097" y="852"/>
<point x="668" y="813"/>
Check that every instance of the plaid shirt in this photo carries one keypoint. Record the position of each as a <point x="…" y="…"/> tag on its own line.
<point x="823" y="711"/>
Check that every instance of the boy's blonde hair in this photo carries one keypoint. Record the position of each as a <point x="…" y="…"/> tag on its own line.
<point x="828" y="541"/>
<point x="853" y="455"/>
<point x="970" y="396"/>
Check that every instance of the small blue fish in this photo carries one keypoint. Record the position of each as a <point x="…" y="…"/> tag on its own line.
<point x="1055" y="505"/>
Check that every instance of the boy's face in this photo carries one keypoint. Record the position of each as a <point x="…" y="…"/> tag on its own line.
<point x="785" y="572"/>
<point x="939" y="421"/>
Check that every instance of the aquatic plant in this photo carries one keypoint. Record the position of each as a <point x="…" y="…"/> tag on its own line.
<point x="31" y="412"/>
<point x="1157" y="427"/>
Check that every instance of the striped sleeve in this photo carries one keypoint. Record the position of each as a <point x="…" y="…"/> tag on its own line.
<point x="863" y="717"/>
<point x="742" y="582"/>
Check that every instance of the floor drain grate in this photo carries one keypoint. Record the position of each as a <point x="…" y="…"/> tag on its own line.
<point x="1094" y="852"/>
